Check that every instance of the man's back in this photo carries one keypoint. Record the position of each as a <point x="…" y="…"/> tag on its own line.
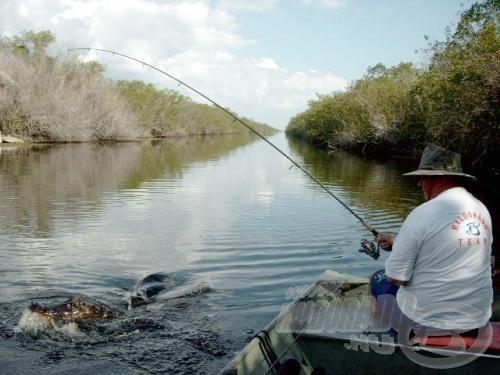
<point x="444" y="250"/>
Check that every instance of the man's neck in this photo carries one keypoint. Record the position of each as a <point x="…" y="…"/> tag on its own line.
<point x="440" y="185"/>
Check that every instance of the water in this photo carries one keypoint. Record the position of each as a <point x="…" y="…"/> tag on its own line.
<point x="225" y="213"/>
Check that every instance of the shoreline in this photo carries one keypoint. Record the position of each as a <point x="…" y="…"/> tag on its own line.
<point x="24" y="141"/>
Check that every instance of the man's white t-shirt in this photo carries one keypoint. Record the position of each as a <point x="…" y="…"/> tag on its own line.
<point x="443" y="250"/>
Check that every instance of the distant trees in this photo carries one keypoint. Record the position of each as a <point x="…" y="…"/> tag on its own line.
<point x="453" y="102"/>
<point x="156" y="109"/>
<point x="373" y="111"/>
<point x="163" y="112"/>
<point x="66" y="100"/>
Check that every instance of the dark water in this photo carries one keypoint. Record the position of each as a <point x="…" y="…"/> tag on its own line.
<point x="226" y="215"/>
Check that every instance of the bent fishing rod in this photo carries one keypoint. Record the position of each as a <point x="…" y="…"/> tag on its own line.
<point x="236" y="118"/>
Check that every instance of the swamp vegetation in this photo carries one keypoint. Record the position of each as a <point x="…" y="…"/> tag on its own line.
<point x="64" y="99"/>
<point x="452" y="102"/>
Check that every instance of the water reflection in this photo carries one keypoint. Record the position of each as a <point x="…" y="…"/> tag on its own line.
<point x="39" y="182"/>
<point x="370" y="183"/>
<point x="93" y="219"/>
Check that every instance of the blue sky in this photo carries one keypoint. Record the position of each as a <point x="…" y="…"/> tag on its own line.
<point x="265" y="59"/>
<point x="348" y="38"/>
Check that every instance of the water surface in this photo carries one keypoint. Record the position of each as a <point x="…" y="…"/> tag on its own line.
<point x="226" y="212"/>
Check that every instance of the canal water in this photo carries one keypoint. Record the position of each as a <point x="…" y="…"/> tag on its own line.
<point x="231" y="222"/>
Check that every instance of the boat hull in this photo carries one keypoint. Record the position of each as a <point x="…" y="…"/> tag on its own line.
<point x="332" y="326"/>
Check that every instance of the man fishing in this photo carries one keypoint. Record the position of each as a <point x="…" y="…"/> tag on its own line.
<point x="439" y="268"/>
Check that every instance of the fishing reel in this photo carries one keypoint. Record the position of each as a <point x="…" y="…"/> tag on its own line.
<point x="369" y="248"/>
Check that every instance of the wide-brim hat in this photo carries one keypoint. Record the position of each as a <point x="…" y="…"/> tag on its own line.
<point x="437" y="161"/>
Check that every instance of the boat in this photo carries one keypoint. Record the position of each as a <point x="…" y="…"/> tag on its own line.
<point x="332" y="327"/>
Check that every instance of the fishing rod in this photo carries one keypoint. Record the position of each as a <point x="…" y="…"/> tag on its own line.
<point x="236" y="118"/>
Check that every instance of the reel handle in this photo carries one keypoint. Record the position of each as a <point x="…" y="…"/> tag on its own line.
<point x="369" y="248"/>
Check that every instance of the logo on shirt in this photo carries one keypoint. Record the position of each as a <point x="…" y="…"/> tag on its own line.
<point x="473" y="228"/>
<point x="469" y="218"/>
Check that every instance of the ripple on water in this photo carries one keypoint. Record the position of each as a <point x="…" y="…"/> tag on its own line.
<point x="93" y="219"/>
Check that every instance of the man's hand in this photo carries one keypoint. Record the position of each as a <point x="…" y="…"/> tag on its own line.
<point x="385" y="240"/>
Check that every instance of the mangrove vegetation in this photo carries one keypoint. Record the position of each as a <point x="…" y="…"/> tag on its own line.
<point x="64" y="99"/>
<point x="452" y="101"/>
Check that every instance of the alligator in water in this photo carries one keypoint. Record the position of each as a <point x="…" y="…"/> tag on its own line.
<point x="81" y="309"/>
<point x="76" y="309"/>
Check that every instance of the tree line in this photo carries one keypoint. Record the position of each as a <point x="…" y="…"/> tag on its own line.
<point x="452" y="102"/>
<point x="64" y="99"/>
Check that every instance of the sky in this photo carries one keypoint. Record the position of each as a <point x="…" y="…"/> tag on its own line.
<point x="264" y="59"/>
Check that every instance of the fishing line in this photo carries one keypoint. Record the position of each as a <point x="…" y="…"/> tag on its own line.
<point x="236" y="118"/>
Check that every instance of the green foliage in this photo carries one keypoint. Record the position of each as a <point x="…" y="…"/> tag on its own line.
<point x="372" y="110"/>
<point x="456" y="99"/>
<point x="54" y="99"/>
<point x="95" y="67"/>
<point x="453" y="102"/>
<point x="168" y="113"/>
<point x="156" y="109"/>
<point x="323" y="121"/>
<point x="29" y="42"/>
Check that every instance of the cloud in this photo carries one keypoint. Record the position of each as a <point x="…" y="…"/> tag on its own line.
<point x="195" y="41"/>
<point x="323" y="3"/>
<point x="248" y="6"/>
